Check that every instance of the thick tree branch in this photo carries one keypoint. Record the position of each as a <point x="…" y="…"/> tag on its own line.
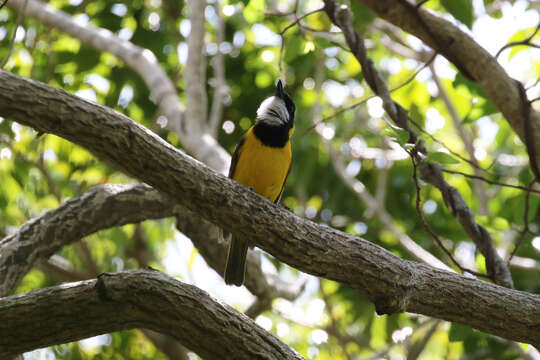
<point x="393" y="284"/>
<point x="59" y="269"/>
<point x="115" y="205"/>
<point x="190" y="127"/>
<point x="473" y="60"/>
<point x="99" y="208"/>
<point x="373" y="205"/>
<point x="341" y="15"/>
<point x="198" y="142"/>
<point x="142" y="298"/>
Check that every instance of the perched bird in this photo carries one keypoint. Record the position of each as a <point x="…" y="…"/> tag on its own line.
<point x="262" y="161"/>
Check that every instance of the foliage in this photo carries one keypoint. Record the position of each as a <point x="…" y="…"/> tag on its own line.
<point x="329" y="320"/>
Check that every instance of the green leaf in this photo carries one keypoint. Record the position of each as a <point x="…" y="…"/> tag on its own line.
<point x="517" y="37"/>
<point x="294" y="46"/>
<point x="459" y="332"/>
<point x="442" y="158"/>
<point x="398" y="135"/>
<point x="484" y="106"/>
<point x="461" y="10"/>
<point x="362" y="15"/>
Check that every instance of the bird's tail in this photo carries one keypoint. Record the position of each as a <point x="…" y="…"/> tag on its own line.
<point x="236" y="262"/>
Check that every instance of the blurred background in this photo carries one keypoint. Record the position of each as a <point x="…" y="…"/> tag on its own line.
<point x="350" y="170"/>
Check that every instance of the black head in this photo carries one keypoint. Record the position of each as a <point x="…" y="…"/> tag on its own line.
<point x="280" y="93"/>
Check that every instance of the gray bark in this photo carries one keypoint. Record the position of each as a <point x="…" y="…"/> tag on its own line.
<point x="468" y="56"/>
<point x="391" y="283"/>
<point x="141" y="298"/>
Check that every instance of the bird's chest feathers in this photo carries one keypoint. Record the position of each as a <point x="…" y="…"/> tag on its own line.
<point x="263" y="168"/>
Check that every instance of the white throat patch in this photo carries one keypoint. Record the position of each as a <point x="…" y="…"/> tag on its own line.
<point x="273" y="111"/>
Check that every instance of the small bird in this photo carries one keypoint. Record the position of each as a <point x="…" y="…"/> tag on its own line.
<point x="262" y="162"/>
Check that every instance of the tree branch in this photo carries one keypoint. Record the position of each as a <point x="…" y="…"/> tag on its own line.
<point x="59" y="269"/>
<point x="218" y="81"/>
<point x="195" y="73"/>
<point x="114" y="205"/>
<point x="141" y="298"/>
<point x="479" y="188"/>
<point x="392" y="284"/>
<point x="341" y="15"/>
<point x="99" y="208"/>
<point x="199" y="143"/>
<point x="473" y="60"/>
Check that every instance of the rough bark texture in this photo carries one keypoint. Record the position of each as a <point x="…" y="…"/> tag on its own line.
<point x="393" y="284"/>
<point x="497" y="270"/>
<point x="114" y="205"/>
<point x="194" y="137"/>
<point x="142" y="298"/>
<point x="99" y="208"/>
<point x="469" y="57"/>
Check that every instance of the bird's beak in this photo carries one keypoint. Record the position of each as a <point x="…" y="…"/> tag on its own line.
<point x="279" y="89"/>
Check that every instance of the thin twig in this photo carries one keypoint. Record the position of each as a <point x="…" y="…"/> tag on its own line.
<point x="356" y="104"/>
<point x="12" y="41"/>
<point x="525" y="229"/>
<point x="298" y="19"/>
<point x="456" y="154"/>
<point x="479" y="187"/>
<point x="220" y="85"/>
<point x="430" y="230"/>
<point x="492" y="182"/>
<point x="4" y="3"/>
<point x="522" y="42"/>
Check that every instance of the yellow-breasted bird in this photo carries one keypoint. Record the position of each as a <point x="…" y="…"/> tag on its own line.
<point x="262" y="161"/>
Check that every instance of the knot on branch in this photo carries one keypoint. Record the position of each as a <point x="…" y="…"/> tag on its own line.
<point x="389" y="305"/>
<point x="102" y="288"/>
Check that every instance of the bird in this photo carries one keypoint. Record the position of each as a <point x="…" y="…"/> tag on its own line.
<point x="262" y="162"/>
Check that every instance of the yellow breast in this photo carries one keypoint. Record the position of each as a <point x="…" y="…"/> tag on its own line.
<point x="262" y="167"/>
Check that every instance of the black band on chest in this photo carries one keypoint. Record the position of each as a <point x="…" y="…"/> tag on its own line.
<point x="273" y="136"/>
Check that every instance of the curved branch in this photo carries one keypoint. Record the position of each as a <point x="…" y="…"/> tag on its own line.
<point x="99" y="208"/>
<point x="193" y="137"/>
<point x="473" y="60"/>
<point x="106" y="206"/>
<point x="341" y="15"/>
<point x="141" y="298"/>
<point x="392" y="284"/>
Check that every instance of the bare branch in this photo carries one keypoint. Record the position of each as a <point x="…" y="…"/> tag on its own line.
<point x="198" y="142"/>
<point x="99" y="208"/>
<point x="428" y="228"/>
<point x="479" y="187"/>
<point x="142" y="298"/>
<point x="460" y="49"/>
<point x="18" y="22"/>
<point x="526" y="41"/>
<point x="341" y="15"/>
<point x="195" y="73"/>
<point x="492" y="182"/>
<point x="373" y="205"/>
<point x="61" y="270"/>
<point x="392" y="284"/>
<point x="3" y="3"/>
<point x="218" y="82"/>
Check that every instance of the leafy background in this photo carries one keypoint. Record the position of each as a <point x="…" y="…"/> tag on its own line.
<point x="329" y="320"/>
